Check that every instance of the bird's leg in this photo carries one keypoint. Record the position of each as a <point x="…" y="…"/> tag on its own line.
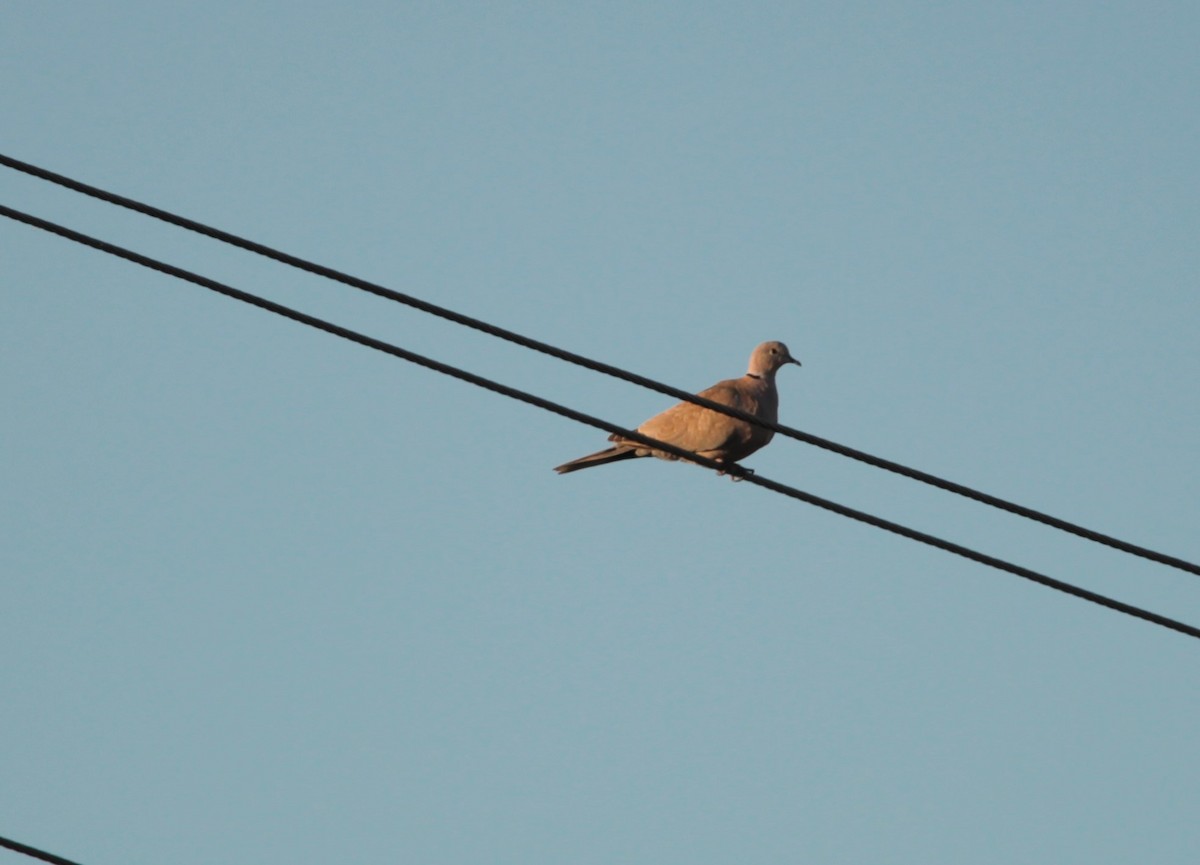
<point x="735" y="471"/>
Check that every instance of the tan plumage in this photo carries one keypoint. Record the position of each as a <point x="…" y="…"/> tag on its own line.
<point x="706" y="432"/>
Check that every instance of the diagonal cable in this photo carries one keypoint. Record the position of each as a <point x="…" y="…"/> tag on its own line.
<point x="34" y="853"/>
<point x="599" y="366"/>
<point x="564" y="411"/>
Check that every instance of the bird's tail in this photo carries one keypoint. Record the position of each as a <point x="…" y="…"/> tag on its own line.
<point x="599" y="458"/>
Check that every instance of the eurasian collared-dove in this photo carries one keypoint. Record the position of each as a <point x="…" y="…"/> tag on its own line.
<point x="704" y="431"/>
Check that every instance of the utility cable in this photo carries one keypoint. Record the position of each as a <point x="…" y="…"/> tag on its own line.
<point x="522" y="396"/>
<point x="35" y="853"/>
<point x="597" y="366"/>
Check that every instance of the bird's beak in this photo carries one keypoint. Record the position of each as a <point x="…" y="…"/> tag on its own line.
<point x="793" y="360"/>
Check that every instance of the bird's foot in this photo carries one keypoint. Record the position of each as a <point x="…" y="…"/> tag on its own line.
<point x="735" y="472"/>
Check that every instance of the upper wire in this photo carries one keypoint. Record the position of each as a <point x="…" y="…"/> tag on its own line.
<point x="564" y="411"/>
<point x="598" y="366"/>
<point x="33" y="852"/>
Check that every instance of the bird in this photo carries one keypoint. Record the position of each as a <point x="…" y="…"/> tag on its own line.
<point x="703" y="431"/>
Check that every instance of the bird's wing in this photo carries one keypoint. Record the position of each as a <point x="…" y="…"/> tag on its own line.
<point x="694" y="428"/>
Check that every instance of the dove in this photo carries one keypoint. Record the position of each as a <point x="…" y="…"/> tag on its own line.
<point x="703" y="431"/>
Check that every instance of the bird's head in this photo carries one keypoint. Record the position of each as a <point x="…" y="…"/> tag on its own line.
<point x="769" y="357"/>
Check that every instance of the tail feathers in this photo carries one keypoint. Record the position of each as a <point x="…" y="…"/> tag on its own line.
<point x="599" y="458"/>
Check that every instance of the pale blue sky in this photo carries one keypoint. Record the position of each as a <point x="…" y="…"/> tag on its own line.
<point x="272" y="597"/>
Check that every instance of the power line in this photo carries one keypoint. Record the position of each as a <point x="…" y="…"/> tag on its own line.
<point x="564" y="411"/>
<point x="598" y="366"/>
<point x="26" y="850"/>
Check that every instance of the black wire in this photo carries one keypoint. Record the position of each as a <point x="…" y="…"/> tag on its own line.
<point x="598" y="366"/>
<point x="25" y="849"/>
<point x="505" y="390"/>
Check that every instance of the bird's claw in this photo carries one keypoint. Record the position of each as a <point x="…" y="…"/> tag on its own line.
<point x="736" y="473"/>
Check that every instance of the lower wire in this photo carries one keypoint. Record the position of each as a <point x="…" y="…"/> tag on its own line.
<point x="572" y="414"/>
